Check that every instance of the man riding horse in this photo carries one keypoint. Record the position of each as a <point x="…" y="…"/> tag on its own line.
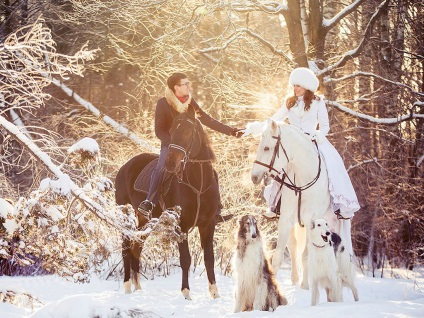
<point x="176" y="101"/>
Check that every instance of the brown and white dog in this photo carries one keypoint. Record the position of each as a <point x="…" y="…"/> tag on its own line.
<point x="256" y="287"/>
<point x="329" y="263"/>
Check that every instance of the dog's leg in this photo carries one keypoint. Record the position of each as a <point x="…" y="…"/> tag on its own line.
<point x="351" y="284"/>
<point x="237" y="301"/>
<point x="315" y="293"/>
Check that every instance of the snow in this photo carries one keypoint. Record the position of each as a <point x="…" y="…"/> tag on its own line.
<point x="5" y="208"/>
<point x="161" y="297"/>
<point x="87" y="144"/>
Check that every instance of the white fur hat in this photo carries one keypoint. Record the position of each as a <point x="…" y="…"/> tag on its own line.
<point x="304" y="77"/>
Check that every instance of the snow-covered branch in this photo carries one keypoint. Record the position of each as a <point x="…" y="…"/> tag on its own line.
<point x="79" y="193"/>
<point x="23" y="55"/>
<point x="108" y="120"/>
<point x="351" y="167"/>
<point x="389" y="121"/>
<point x="329" y="80"/>
<point x="356" y="51"/>
<point x="330" y="23"/>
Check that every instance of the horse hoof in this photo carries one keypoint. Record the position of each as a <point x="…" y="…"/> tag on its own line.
<point x="186" y="293"/>
<point x="213" y="291"/>
<point x="127" y="287"/>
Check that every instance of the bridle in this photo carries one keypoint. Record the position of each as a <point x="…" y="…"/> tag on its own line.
<point x="188" y="157"/>
<point x="186" y="151"/>
<point x="289" y="184"/>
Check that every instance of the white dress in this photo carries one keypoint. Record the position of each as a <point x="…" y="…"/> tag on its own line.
<point x="343" y="195"/>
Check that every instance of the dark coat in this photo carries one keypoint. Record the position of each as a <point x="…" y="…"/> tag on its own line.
<point x="165" y="114"/>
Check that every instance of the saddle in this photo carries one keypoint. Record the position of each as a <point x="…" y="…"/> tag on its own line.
<point x="142" y="182"/>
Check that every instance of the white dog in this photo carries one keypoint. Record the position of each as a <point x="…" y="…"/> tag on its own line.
<point x="256" y="287"/>
<point x="345" y="267"/>
<point x="322" y="263"/>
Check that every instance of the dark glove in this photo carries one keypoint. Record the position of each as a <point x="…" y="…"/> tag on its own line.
<point x="237" y="132"/>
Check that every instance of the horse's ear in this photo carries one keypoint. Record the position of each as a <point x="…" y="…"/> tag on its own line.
<point x="273" y="125"/>
<point x="191" y="113"/>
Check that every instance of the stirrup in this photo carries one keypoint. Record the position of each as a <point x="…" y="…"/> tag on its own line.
<point x="270" y="216"/>
<point x="220" y="219"/>
<point x="145" y="209"/>
<point x="340" y="216"/>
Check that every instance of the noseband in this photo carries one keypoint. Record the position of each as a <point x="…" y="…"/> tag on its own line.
<point x="186" y="151"/>
<point x="276" y="154"/>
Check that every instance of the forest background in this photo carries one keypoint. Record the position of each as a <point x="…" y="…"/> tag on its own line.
<point x="71" y="69"/>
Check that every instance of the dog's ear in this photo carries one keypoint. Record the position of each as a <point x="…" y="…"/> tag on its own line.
<point x="312" y="225"/>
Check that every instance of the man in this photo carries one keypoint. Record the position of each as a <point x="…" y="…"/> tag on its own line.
<point x="176" y="101"/>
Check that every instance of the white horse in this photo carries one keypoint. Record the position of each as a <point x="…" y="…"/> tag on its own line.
<point x="305" y="195"/>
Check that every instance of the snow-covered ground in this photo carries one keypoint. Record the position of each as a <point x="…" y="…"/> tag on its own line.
<point x="161" y="297"/>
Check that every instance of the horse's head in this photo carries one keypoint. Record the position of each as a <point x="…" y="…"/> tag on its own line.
<point x="185" y="140"/>
<point x="269" y="156"/>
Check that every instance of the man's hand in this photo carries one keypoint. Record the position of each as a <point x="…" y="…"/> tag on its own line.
<point x="237" y="132"/>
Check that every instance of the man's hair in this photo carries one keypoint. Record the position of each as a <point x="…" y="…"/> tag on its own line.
<point x="175" y="79"/>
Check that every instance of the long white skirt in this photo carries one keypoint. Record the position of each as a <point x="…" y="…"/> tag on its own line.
<point x="343" y="195"/>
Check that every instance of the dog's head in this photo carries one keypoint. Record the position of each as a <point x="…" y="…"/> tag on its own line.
<point x="248" y="228"/>
<point x="320" y="232"/>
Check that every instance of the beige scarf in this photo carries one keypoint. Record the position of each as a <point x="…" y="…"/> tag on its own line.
<point x="175" y="102"/>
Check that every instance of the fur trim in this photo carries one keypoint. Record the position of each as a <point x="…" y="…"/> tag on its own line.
<point x="175" y="102"/>
<point x="304" y="77"/>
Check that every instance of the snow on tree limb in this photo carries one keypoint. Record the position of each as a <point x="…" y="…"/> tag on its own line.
<point x="330" y="23"/>
<point x="389" y="121"/>
<point x="328" y="80"/>
<point x="23" y="56"/>
<point x="357" y="51"/>
<point x="108" y="120"/>
<point x="76" y="191"/>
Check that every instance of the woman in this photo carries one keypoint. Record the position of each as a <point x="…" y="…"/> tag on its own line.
<point x="306" y="111"/>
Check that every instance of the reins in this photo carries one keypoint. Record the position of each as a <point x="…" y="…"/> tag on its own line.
<point x="290" y="184"/>
<point x="185" y="160"/>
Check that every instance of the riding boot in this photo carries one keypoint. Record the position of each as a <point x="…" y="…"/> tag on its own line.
<point x="219" y="218"/>
<point x="273" y="213"/>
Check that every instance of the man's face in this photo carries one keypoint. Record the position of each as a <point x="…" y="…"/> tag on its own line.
<point x="182" y="89"/>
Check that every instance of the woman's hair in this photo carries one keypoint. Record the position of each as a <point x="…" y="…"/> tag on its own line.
<point x="307" y="98"/>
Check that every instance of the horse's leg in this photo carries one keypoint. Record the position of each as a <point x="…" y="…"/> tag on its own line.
<point x="135" y="265"/>
<point x="185" y="262"/>
<point x="292" y="247"/>
<point x="305" y="283"/>
<point x="206" y="240"/>
<point x="284" y="227"/>
<point x="126" y="256"/>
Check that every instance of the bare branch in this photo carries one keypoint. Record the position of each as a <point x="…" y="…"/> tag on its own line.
<point x="256" y="36"/>
<point x="356" y="51"/>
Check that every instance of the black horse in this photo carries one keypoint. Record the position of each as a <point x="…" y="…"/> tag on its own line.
<point x="193" y="187"/>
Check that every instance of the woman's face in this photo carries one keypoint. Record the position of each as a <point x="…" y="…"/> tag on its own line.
<point x="299" y="90"/>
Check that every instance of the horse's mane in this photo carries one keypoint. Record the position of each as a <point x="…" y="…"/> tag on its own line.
<point x="293" y="131"/>
<point x="205" y="141"/>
